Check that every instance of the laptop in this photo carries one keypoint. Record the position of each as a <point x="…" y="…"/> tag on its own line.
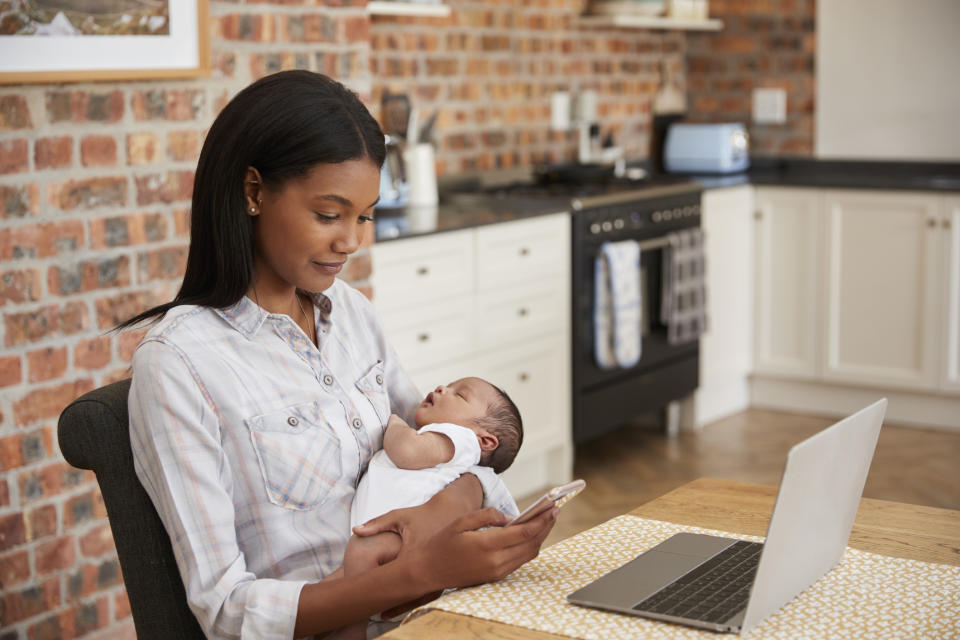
<point x="730" y="585"/>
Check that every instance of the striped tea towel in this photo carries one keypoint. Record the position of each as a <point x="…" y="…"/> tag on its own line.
<point x="683" y="302"/>
<point x="616" y="308"/>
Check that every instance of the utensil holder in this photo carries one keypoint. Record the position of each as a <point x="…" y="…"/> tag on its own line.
<point x="421" y="171"/>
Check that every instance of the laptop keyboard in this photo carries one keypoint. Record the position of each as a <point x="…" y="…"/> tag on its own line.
<point x="713" y="592"/>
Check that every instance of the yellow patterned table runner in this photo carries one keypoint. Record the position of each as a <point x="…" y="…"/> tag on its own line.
<point x="866" y="596"/>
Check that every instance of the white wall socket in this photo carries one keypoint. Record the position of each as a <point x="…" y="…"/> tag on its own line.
<point x="770" y="106"/>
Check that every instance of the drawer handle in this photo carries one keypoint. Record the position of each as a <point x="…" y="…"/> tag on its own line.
<point x="524" y="251"/>
<point x="931" y="223"/>
<point x="522" y="311"/>
<point x="523" y="377"/>
<point x="946" y="224"/>
<point x="422" y="271"/>
<point x="423" y="337"/>
<point x="757" y="215"/>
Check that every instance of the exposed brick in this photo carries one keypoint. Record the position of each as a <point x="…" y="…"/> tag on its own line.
<point x="82" y="106"/>
<point x="41" y="240"/>
<point x="13" y="531"/>
<point x="89" y="275"/>
<point x="261" y="65"/>
<point x="51" y="480"/>
<point x="20" y="285"/>
<point x="4" y="493"/>
<point x="53" y="153"/>
<point x="14" y="113"/>
<point x="356" y="28"/>
<point x="46" y="403"/>
<point x="14" y="568"/>
<point x="19" y="201"/>
<point x="79" y="509"/>
<point x="184" y="146"/>
<point x="46" y="364"/>
<point x="162" y="264"/>
<point x="13" y="156"/>
<point x="142" y="148"/>
<point x="23" y="448"/>
<point x="11" y="452"/>
<point x="173" y="187"/>
<point x="88" y="194"/>
<point x="127" y="343"/>
<point x="121" y="606"/>
<point x="56" y="554"/>
<point x="98" y="151"/>
<point x="115" y="375"/>
<point x="171" y="104"/>
<point x="98" y="541"/>
<point x="32" y="601"/>
<point x="121" y="231"/>
<point x="93" y="353"/>
<point x="42" y="522"/>
<point x="250" y="27"/>
<point x="115" y="309"/>
<point x="181" y="222"/>
<point x="11" y="370"/>
<point x="32" y="326"/>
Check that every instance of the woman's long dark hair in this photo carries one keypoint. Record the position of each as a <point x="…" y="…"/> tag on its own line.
<point x="283" y="125"/>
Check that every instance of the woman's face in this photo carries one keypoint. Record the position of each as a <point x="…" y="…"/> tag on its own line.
<point x="305" y="229"/>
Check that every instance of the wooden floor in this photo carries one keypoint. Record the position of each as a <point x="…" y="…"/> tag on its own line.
<point x="635" y="464"/>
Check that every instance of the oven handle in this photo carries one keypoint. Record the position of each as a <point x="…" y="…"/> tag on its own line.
<point x="655" y="243"/>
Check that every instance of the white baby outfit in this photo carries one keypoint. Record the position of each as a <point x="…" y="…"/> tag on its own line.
<point x="385" y="487"/>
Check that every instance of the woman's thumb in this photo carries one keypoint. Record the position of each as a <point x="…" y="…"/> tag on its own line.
<point x="386" y="522"/>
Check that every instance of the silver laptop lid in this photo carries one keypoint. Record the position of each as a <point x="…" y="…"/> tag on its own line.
<point x="813" y="515"/>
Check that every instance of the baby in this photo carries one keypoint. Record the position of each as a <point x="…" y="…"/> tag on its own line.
<point x="465" y="423"/>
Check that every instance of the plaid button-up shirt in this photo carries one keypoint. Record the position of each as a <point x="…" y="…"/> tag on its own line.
<point x="250" y="441"/>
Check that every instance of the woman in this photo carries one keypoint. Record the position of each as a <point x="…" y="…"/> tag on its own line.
<point x="264" y="388"/>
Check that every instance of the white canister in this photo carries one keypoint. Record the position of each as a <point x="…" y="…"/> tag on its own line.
<point x="421" y="169"/>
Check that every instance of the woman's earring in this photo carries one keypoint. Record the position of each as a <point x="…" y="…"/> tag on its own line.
<point x="253" y="209"/>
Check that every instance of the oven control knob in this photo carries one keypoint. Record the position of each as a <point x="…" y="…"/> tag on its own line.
<point x="618" y="223"/>
<point x="678" y="213"/>
<point x="607" y="225"/>
<point x="687" y="211"/>
<point x="595" y="228"/>
<point x="657" y="216"/>
<point x="667" y="214"/>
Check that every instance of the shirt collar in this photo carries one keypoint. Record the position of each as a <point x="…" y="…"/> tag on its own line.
<point x="247" y="317"/>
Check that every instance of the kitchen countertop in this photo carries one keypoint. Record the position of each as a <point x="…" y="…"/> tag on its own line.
<point x="467" y="206"/>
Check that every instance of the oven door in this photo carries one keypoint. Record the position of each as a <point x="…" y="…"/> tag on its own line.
<point x="607" y="398"/>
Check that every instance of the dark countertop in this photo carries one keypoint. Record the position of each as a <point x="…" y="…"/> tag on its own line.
<point x="464" y="208"/>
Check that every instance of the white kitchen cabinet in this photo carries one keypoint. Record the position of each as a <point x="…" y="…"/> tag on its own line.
<point x="787" y="260"/>
<point x="726" y="347"/>
<point x="882" y="284"/>
<point x="950" y="231"/>
<point x="492" y="302"/>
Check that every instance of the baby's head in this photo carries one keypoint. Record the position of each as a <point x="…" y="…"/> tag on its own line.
<point x="482" y="408"/>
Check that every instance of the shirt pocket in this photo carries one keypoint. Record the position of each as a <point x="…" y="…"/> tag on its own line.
<point x="298" y="454"/>
<point x="372" y="385"/>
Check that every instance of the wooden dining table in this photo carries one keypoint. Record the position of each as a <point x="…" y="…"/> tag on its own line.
<point x="889" y="528"/>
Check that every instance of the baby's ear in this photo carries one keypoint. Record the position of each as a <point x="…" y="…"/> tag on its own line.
<point x="488" y="441"/>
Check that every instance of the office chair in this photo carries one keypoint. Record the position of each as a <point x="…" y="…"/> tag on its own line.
<point x="93" y="432"/>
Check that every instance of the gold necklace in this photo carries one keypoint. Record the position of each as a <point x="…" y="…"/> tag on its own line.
<point x="310" y="331"/>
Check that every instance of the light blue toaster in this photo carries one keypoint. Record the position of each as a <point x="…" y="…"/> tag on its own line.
<point x="706" y="148"/>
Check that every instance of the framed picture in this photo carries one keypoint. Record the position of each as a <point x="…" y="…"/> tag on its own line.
<point x="83" y="40"/>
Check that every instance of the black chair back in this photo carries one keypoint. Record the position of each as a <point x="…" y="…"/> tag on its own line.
<point x="94" y="434"/>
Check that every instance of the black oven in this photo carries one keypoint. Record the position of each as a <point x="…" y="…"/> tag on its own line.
<point x="604" y="399"/>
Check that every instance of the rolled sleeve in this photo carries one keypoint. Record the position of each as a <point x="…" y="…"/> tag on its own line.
<point x="174" y="433"/>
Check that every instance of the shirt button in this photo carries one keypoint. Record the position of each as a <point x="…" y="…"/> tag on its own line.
<point x="292" y="421"/>
<point x="379" y="379"/>
<point x="357" y="423"/>
<point x="328" y="380"/>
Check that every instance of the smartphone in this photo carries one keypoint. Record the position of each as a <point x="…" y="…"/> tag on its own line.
<point x="558" y="496"/>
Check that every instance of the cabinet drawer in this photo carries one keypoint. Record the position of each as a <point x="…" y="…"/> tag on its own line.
<point x="536" y="377"/>
<point x="422" y="269"/>
<point x="518" y="251"/>
<point x="530" y="311"/>
<point x="429" y="333"/>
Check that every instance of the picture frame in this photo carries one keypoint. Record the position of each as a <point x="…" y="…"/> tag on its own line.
<point x="179" y="49"/>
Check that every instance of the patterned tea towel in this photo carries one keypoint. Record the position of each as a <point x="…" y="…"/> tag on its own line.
<point x="683" y="301"/>
<point x="617" y="304"/>
<point x="866" y="596"/>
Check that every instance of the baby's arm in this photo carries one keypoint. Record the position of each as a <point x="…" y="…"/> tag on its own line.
<point x="411" y="450"/>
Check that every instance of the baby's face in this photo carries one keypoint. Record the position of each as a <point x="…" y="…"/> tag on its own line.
<point x="459" y="402"/>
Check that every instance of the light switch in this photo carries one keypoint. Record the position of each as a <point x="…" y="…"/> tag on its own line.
<point x="770" y="106"/>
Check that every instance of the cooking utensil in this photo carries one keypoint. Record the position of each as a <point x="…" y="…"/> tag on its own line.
<point x="396" y="113"/>
<point x="426" y="132"/>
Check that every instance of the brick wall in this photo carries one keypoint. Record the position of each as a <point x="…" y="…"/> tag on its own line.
<point x="764" y="43"/>
<point x="95" y="184"/>
<point x="490" y="69"/>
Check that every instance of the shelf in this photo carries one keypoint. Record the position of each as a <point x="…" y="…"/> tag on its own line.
<point x="625" y="21"/>
<point x="416" y="9"/>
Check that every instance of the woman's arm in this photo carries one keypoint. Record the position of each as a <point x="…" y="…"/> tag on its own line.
<point x="458" y="555"/>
